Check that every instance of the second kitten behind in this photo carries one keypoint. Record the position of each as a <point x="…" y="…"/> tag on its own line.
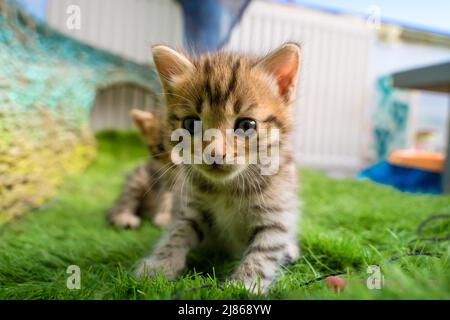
<point x="146" y="191"/>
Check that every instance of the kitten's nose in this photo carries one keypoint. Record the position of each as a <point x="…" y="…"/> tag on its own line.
<point x="215" y="157"/>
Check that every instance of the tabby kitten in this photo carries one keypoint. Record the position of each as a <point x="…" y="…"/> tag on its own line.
<point x="231" y="206"/>
<point x="145" y="191"/>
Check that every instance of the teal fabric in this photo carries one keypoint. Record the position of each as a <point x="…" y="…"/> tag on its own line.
<point x="390" y="118"/>
<point x="48" y="83"/>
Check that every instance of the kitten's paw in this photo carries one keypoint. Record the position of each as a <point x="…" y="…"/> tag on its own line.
<point x="152" y="266"/>
<point x="125" y="219"/>
<point x="162" y="219"/>
<point x="254" y="285"/>
<point x="292" y="254"/>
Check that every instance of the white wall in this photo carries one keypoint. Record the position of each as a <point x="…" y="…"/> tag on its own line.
<point x="125" y="27"/>
<point x="330" y="112"/>
<point x="394" y="57"/>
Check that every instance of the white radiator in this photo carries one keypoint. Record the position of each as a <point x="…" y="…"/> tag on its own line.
<point x="331" y="111"/>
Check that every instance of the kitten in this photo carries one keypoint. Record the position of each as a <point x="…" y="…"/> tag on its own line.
<point x="231" y="206"/>
<point x="146" y="190"/>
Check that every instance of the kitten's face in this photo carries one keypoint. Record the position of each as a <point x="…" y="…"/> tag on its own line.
<point x="229" y="92"/>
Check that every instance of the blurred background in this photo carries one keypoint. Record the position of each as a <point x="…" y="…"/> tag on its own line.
<point x="347" y="47"/>
<point x="358" y="112"/>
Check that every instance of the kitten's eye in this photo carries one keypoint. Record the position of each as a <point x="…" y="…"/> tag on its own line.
<point x="189" y="124"/>
<point x="245" y="124"/>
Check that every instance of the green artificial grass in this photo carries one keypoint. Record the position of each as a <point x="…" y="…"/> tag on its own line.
<point x="346" y="225"/>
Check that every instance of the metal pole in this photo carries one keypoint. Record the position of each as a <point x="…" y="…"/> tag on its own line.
<point x="446" y="175"/>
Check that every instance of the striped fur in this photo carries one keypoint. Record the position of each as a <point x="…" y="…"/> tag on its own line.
<point x="254" y="217"/>
<point x="147" y="189"/>
<point x="144" y="194"/>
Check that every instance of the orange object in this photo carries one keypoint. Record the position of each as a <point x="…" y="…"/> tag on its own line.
<point x="411" y="158"/>
<point x="335" y="282"/>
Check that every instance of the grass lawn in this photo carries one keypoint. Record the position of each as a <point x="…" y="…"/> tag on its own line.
<point x="346" y="226"/>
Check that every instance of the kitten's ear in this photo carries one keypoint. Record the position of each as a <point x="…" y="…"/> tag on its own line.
<point x="283" y="65"/>
<point x="143" y="119"/>
<point x="170" y="64"/>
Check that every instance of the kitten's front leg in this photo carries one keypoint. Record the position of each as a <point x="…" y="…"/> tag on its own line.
<point x="123" y="213"/>
<point x="272" y="245"/>
<point x="163" y="215"/>
<point x="169" y="256"/>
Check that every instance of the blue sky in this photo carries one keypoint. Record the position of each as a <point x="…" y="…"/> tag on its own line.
<point x="36" y="7"/>
<point x="430" y="14"/>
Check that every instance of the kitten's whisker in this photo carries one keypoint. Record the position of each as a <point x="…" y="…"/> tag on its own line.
<point x="175" y="95"/>
<point x="175" y="180"/>
<point x="158" y="178"/>
<point x="179" y="105"/>
<point x="187" y="177"/>
<point x="159" y="154"/>
<point x="259" y="193"/>
<point x="241" y="197"/>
